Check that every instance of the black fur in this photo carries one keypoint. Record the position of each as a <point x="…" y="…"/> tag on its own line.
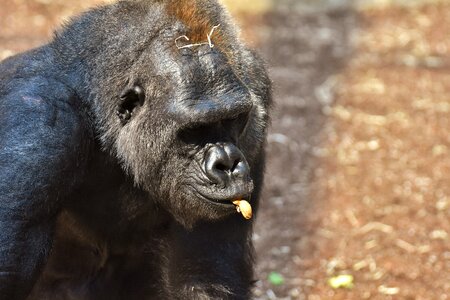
<point x="103" y="139"/>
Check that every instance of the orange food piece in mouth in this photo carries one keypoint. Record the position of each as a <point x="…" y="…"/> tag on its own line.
<point x="244" y="208"/>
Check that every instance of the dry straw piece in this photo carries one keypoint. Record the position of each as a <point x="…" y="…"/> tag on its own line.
<point x="208" y="36"/>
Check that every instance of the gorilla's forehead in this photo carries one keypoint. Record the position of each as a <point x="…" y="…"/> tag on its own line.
<point x="197" y="69"/>
<point x="205" y="83"/>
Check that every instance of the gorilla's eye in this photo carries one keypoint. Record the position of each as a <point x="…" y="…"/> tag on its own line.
<point x="223" y="130"/>
<point x="198" y="134"/>
<point x="237" y="124"/>
<point x="131" y="99"/>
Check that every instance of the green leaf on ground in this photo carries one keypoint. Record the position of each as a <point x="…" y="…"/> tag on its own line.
<point x="276" y="278"/>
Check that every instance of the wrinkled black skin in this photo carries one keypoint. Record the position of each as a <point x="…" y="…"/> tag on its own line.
<point x="100" y="203"/>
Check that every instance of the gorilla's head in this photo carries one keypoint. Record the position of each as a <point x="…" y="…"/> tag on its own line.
<point x="187" y="123"/>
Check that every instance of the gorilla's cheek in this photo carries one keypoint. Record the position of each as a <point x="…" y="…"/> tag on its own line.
<point x="142" y="150"/>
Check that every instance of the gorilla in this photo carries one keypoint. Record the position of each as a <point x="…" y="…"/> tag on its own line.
<point x="124" y="142"/>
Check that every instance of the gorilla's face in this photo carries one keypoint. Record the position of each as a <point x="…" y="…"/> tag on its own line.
<point x="190" y="129"/>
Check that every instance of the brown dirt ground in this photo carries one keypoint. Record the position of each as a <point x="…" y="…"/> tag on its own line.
<point x="384" y="163"/>
<point x="358" y="171"/>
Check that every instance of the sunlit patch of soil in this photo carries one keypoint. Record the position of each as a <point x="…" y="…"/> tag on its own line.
<point x="385" y="165"/>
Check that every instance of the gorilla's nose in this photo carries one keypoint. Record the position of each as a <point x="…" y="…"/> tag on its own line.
<point x="224" y="162"/>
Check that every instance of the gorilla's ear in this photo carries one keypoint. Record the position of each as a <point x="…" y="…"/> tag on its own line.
<point x="131" y="99"/>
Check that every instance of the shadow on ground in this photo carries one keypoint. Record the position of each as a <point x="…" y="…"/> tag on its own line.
<point x="304" y="49"/>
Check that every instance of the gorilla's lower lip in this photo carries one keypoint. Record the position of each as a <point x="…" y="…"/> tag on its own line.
<point x="228" y="201"/>
<point x="223" y="202"/>
<point x="225" y="197"/>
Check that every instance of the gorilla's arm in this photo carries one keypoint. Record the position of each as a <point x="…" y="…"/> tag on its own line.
<point x="213" y="261"/>
<point x="40" y="137"/>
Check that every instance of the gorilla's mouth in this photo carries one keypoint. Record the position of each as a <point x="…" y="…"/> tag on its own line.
<point x="229" y="201"/>
<point x="220" y="195"/>
<point x="239" y="203"/>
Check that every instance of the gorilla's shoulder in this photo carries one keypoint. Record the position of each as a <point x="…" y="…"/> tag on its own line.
<point x="35" y="106"/>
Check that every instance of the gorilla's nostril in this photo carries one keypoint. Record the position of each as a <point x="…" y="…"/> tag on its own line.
<point x="235" y="165"/>
<point x="221" y="167"/>
<point x="226" y="165"/>
<point x="241" y="169"/>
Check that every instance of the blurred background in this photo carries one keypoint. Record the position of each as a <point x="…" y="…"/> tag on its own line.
<point x="357" y="197"/>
